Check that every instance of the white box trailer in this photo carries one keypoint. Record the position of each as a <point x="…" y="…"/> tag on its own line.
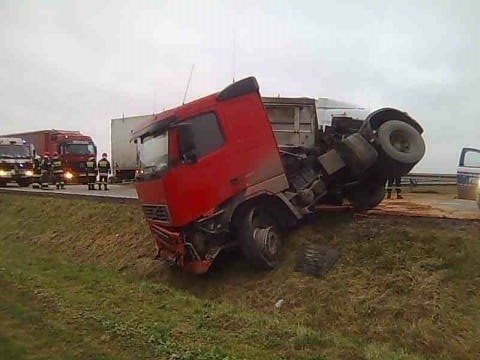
<point x="124" y="153"/>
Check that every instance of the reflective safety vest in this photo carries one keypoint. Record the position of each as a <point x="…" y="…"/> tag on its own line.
<point x="104" y="167"/>
<point x="57" y="166"/>
<point x="91" y="168"/>
<point x="45" y="164"/>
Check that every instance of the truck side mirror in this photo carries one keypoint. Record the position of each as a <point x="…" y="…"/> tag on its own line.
<point x="186" y="142"/>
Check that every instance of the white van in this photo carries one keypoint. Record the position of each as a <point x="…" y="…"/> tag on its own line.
<point x="468" y="174"/>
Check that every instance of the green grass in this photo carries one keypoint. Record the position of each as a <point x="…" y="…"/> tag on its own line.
<point x="78" y="281"/>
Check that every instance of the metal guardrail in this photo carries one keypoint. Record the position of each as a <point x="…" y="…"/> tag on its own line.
<point x="416" y="179"/>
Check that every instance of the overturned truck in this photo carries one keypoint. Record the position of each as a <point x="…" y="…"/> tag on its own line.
<point x="236" y="170"/>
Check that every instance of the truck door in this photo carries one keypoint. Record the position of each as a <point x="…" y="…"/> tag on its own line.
<point x="204" y="184"/>
<point x="468" y="173"/>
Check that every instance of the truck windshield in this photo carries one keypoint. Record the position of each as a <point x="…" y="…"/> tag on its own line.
<point x="79" y="149"/>
<point x="153" y="153"/>
<point x="14" y="151"/>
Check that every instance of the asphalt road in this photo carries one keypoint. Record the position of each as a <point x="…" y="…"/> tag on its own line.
<point x="126" y="191"/>
<point x="413" y="204"/>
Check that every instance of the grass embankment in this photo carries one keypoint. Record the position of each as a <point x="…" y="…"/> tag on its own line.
<point x="77" y="281"/>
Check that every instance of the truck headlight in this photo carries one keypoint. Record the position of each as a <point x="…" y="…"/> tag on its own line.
<point x="3" y="173"/>
<point x="29" y="173"/>
<point x="68" y="175"/>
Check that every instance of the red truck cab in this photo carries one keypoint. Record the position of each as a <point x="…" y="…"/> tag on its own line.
<point x="211" y="176"/>
<point x="200" y="155"/>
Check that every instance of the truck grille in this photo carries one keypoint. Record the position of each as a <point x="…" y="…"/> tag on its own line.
<point x="78" y="166"/>
<point x="157" y="212"/>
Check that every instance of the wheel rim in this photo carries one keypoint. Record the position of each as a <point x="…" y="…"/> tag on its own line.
<point x="268" y="240"/>
<point x="400" y="141"/>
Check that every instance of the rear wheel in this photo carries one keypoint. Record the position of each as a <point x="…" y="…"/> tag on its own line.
<point x="24" y="183"/>
<point x="401" y="142"/>
<point x="367" y="197"/>
<point x="358" y="153"/>
<point x="260" y="237"/>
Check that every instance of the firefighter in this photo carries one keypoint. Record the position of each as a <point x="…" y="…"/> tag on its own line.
<point x="103" y="171"/>
<point x="57" y="172"/>
<point x="91" y="166"/>
<point x="45" y="165"/>
<point x="398" y="181"/>
<point x="37" y="171"/>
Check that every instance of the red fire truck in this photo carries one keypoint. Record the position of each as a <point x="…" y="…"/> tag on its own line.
<point x="73" y="147"/>
<point x="212" y="175"/>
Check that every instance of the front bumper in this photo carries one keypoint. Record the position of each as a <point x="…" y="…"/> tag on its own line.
<point x="14" y="175"/>
<point x="171" y="248"/>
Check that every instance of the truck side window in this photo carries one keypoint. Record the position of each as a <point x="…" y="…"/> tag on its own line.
<point x="207" y="133"/>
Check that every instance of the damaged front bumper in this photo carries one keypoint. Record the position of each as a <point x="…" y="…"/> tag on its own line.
<point x="173" y="249"/>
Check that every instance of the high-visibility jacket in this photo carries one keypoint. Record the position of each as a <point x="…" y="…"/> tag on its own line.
<point x="104" y="167"/>
<point x="57" y="166"/>
<point x="91" y="168"/>
<point x="45" y="164"/>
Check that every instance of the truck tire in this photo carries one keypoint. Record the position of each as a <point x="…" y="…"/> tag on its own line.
<point x="24" y="183"/>
<point x="366" y="197"/>
<point x="401" y="142"/>
<point x="357" y="153"/>
<point x="260" y="238"/>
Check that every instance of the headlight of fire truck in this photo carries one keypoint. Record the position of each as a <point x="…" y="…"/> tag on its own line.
<point x="68" y="175"/>
<point x="29" y="173"/>
<point x="3" y="173"/>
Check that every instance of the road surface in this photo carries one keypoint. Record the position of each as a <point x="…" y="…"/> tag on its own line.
<point x="116" y="192"/>
<point x="430" y="205"/>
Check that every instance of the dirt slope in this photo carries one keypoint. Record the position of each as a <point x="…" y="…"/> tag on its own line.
<point x="403" y="288"/>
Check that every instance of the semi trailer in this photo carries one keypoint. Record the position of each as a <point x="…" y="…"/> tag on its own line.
<point x="72" y="146"/>
<point x="124" y="153"/>
<point x="219" y="172"/>
<point x="16" y="161"/>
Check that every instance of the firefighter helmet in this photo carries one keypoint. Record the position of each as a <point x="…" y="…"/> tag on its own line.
<point x="55" y="154"/>
<point x="104" y="155"/>
<point x="47" y="154"/>
<point x="91" y="157"/>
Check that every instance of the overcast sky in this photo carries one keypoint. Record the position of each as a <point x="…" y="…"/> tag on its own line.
<point x="77" y="64"/>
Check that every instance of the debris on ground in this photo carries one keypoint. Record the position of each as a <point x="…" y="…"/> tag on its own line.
<point x="279" y="303"/>
<point x="316" y="260"/>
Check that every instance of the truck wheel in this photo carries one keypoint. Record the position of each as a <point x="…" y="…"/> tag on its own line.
<point x="260" y="238"/>
<point x="401" y="142"/>
<point x="357" y="153"/>
<point x="23" y="183"/>
<point x="368" y="197"/>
